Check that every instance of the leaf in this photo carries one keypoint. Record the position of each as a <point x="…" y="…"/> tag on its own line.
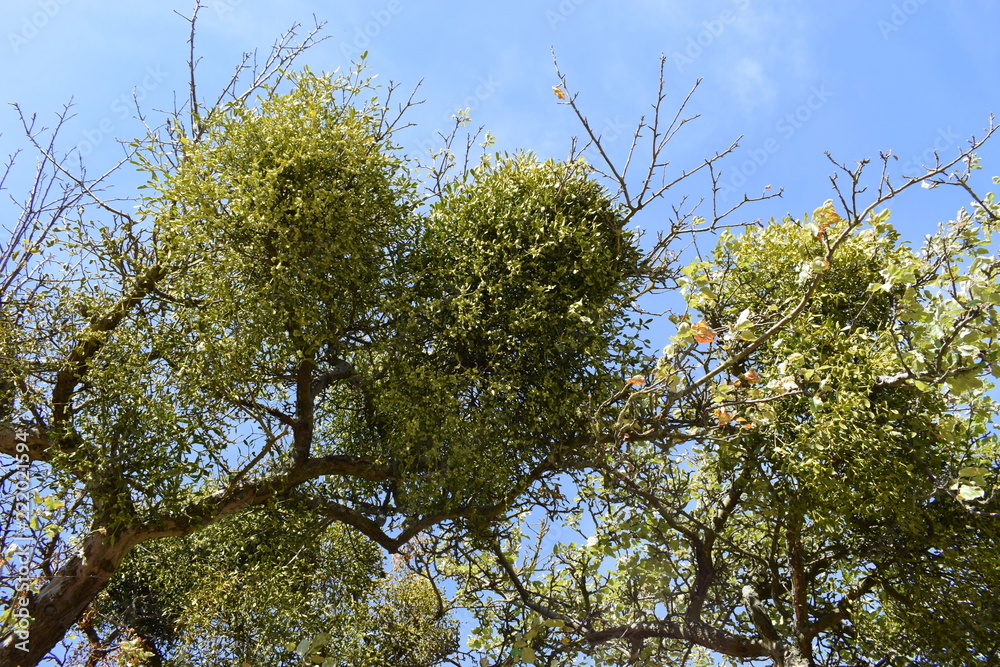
<point x="636" y="381"/>
<point x="52" y="503"/>
<point x="751" y="376"/>
<point x="968" y="492"/>
<point x="702" y="332"/>
<point x="785" y="384"/>
<point x="743" y="328"/>
<point x="825" y="217"/>
<point x="528" y="655"/>
<point x="723" y="416"/>
<point x="963" y="382"/>
<point x="559" y="92"/>
<point x="743" y="321"/>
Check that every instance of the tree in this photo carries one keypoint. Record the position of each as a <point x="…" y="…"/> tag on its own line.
<point x="807" y="473"/>
<point x="294" y="332"/>
<point x="286" y="318"/>
<point x="248" y="589"/>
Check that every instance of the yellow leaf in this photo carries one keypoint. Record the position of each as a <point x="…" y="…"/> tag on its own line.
<point x="559" y="92"/>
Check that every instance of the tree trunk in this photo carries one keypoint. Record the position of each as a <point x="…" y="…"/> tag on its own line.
<point x="62" y="600"/>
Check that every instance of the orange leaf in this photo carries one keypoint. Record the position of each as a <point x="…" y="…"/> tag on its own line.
<point x="751" y="376"/>
<point x="635" y="381"/>
<point x="702" y="332"/>
<point x="826" y="219"/>
<point x="559" y="92"/>
<point x="723" y="416"/>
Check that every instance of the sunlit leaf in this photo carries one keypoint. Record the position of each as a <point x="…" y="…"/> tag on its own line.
<point x="969" y="492"/>
<point x="636" y="381"/>
<point x="702" y="332"/>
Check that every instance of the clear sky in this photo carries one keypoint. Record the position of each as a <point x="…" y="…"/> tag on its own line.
<point x="796" y="78"/>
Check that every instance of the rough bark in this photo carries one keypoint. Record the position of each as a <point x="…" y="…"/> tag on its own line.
<point x="64" y="599"/>
<point x="702" y="634"/>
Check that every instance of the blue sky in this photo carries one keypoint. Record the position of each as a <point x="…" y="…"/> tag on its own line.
<point x="795" y="78"/>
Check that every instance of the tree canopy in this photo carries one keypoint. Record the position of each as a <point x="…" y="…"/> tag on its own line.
<point x="303" y="347"/>
<point x="824" y="494"/>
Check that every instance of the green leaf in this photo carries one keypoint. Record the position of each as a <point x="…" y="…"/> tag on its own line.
<point x="968" y="492"/>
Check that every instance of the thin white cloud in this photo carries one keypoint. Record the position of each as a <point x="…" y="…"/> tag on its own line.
<point x="750" y="84"/>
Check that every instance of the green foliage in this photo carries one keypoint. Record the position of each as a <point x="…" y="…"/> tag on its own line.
<point x="283" y="318"/>
<point x="402" y="624"/>
<point x="522" y="261"/>
<point x="857" y="452"/>
<point x="242" y="590"/>
<point x="803" y="434"/>
<point x="284" y="216"/>
<point x="518" y="300"/>
<point x="285" y="347"/>
<point x="285" y="239"/>
<point x="837" y="435"/>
